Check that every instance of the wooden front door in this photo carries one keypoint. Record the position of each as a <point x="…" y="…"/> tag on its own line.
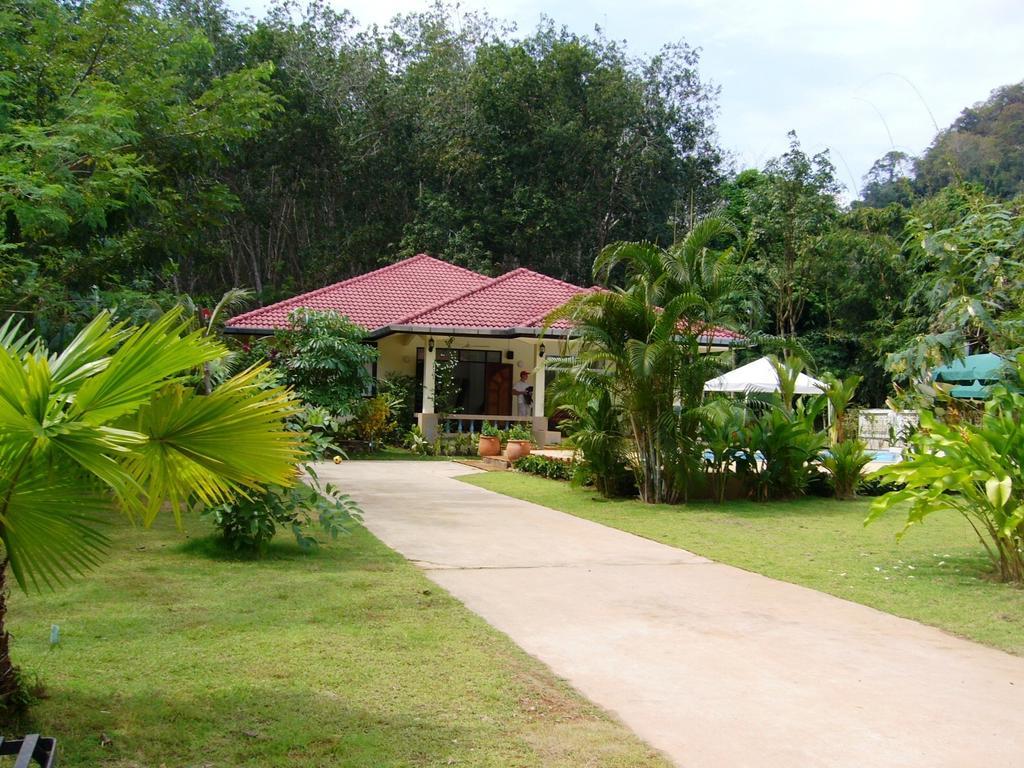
<point x="498" y="389"/>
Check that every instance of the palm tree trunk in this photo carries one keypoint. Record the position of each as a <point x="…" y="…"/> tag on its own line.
<point x="9" y="685"/>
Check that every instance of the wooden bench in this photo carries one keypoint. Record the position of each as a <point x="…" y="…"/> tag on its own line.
<point x="41" y="749"/>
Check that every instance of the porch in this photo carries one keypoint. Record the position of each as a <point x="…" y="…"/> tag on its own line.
<point x="485" y="370"/>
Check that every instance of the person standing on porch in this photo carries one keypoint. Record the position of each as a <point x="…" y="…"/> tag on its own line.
<point x="523" y="394"/>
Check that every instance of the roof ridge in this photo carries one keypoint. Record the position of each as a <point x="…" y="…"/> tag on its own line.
<point x="492" y="282"/>
<point x="303" y="297"/>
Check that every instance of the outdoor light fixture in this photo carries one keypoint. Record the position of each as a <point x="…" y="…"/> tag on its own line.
<point x="430" y="344"/>
<point x="540" y="351"/>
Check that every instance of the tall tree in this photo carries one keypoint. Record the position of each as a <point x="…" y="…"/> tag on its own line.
<point x="110" y="128"/>
<point x="647" y="345"/>
<point x="786" y="212"/>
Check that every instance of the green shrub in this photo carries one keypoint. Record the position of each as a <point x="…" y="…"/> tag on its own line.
<point x="594" y="427"/>
<point x="401" y="390"/>
<point x="322" y="431"/>
<point x="846" y="461"/>
<point x="722" y="429"/>
<point x="781" y="446"/>
<point x="545" y="466"/>
<point x="489" y="430"/>
<point x="324" y="359"/>
<point x="974" y="470"/>
<point x="250" y="524"/>
<point x="416" y="442"/>
<point x="374" y="419"/>
<point x="518" y="432"/>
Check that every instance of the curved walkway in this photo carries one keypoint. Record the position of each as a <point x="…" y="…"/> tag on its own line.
<point x="711" y="664"/>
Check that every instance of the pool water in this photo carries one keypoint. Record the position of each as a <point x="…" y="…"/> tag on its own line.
<point x="883" y="457"/>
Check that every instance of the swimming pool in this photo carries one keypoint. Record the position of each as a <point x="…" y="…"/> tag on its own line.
<point x="887" y="457"/>
<point x="881" y="456"/>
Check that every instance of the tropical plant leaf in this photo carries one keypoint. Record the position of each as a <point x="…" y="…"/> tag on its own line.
<point x="212" y="447"/>
<point x="49" y="525"/>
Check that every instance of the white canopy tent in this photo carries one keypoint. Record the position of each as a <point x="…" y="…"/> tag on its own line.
<point x="760" y="376"/>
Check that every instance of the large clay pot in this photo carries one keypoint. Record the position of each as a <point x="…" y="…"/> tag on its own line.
<point x="489" y="445"/>
<point x="516" y="449"/>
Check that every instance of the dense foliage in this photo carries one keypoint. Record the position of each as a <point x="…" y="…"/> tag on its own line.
<point x="159" y="147"/>
<point x="323" y="357"/>
<point x="646" y="344"/>
<point x="974" y="470"/>
<point x="545" y="466"/>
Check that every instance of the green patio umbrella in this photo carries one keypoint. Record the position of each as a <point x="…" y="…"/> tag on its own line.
<point x="975" y="391"/>
<point x="971" y="369"/>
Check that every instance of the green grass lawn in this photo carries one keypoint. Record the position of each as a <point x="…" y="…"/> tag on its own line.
<point x="174" y="655"/>
<point x="937" y="574"/>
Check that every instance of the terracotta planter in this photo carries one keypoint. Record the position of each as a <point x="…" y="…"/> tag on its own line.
<point x="489" y="446"/>
<point x="516" y="449"/>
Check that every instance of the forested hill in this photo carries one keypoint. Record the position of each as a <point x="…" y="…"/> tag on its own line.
<point x="983" y="146"/>
<point x="170" y="147"/>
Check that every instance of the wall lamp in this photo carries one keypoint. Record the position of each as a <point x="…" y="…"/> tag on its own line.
<point x="541" y="350"/>
<point x="430" y="344"/>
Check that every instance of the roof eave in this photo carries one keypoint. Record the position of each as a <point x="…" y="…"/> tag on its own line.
<point x="458" y="330"/>
<point x="241" y="330"/>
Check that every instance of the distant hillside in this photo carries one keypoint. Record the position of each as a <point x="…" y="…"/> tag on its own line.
<point x="984" y="145"/>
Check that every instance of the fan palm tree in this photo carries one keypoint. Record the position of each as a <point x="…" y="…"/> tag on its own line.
<point x="651" y="338"/>
<point x="112" y="422"/>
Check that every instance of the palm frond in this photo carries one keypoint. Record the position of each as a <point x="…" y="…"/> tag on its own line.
<point x="146" y="360"/>
<point x="49" y="524"/>
<point x="211" y="447"/>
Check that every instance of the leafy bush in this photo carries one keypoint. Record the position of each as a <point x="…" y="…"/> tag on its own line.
<point x="975" y="470"/>
<point x="490" y="430"/>
<point x="595" y="427"/>
<point x="250" y="524"/>
<point x="781" y="446"/>
<point x="846" y="461"/>
<point x="722" y="430"/>
<point x="456" y="444"/>
<point x="402" y="391"/>
<point x="545" y="466"/>
<point x="374" y="419"/>
<point x="416" y="442"/>
<point x="874" y="486"/>
<point x="518" y="432"/>
<point x="321" y="429"/>
<point x="324" y="359"/>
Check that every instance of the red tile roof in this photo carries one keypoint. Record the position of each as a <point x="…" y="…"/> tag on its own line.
<point x="424" y="291"/>
<point x="376" y="299"/>
<point x="520" y="299"/>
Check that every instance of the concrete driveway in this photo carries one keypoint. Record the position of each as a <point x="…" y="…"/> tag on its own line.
<point x="711" y="664"/>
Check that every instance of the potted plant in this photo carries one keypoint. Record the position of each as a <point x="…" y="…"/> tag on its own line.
<point x="520" y="442"/>
<point x="490" y="440"/>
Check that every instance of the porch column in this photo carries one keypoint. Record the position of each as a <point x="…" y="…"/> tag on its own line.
<point x="538" y="387"/>
<point x="540" y="422"/>
<point x="429" y="359"/>
<point x="427" y="419"/>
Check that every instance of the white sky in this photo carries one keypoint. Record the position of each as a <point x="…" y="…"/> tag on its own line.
<point x="843" y="74"/>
